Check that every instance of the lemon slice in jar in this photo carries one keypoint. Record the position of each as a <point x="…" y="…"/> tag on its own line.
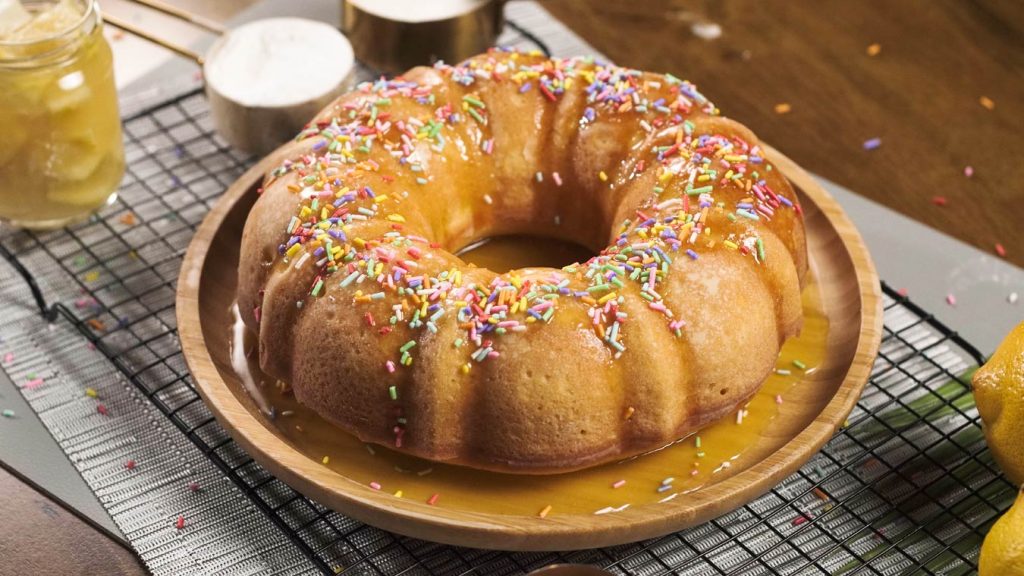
<point x="70" y="160"/>
<point x="45" y="30"/>
<point x="15" y="134"/>
<point x="91" y="191"/>
<point x="56" y="19"/>
<point x="70" y="94"/>
<point x="12" y="16"/>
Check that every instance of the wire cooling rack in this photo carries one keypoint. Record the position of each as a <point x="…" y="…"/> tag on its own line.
<point x="907" y="486"/>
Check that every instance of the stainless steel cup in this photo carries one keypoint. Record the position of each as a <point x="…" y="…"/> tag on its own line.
<point x="392" y="45"/>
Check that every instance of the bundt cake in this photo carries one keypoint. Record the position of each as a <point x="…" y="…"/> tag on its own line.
<point x="349" y="275"/>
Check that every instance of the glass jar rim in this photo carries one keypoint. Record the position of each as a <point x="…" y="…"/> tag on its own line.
<point x="68" y="34"/>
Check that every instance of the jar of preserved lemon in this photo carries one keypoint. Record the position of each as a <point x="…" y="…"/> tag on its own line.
<point x="61" y="154"/>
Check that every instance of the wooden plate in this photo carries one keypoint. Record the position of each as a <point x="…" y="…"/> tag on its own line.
<point x="818" y="405"/>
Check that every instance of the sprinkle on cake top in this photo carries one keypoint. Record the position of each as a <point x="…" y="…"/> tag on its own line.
<point x="671" y="224"/>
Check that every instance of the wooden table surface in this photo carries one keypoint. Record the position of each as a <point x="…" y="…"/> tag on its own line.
<point x="40" y="536"/>
<point x="921" y="94"/>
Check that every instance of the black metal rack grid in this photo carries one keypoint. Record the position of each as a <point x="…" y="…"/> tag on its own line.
<point x="908" y="486"/>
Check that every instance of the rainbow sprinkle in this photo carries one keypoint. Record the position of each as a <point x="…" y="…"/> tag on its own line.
<point x="872" y="143"/>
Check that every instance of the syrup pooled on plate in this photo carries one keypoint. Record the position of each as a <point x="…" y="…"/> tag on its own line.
<point x="711" y="455"/>
<point x="504" y="253"/>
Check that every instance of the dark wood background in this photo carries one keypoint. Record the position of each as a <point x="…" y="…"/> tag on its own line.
<point x="920" y="94"/>
<point x="39" y="536"/>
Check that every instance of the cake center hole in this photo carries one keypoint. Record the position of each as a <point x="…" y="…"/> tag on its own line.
<point x="504" y="253"/>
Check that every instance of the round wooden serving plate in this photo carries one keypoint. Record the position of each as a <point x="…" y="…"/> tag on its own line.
<point x="815" y="408"/>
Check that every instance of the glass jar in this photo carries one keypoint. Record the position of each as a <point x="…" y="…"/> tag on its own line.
<point x="61" y="153"/>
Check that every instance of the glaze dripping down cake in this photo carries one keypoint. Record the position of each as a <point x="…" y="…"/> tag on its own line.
<point x="349" y="275"/>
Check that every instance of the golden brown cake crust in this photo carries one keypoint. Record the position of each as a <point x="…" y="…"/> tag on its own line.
<point x="349" y="277"/>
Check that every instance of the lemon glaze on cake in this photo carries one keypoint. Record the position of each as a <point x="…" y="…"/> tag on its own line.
<point x="349" y="277"/>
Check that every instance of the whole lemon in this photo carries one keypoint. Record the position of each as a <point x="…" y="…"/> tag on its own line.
<point x="999" y="394"/>
<point x="1002" y="554"/>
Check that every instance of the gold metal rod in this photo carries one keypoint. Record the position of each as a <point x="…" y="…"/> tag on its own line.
<point x="131" y="28"/>
<point x="180" y="13"/>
